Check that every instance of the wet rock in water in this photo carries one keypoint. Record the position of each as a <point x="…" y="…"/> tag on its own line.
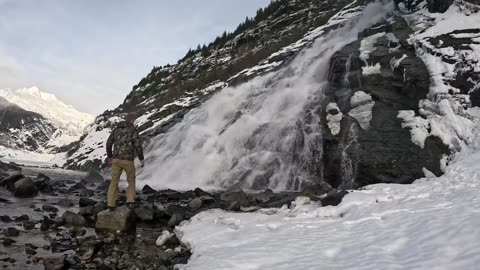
<point x="65" y="202"/>
<point x="188" y="195"/>
<point x="28" y="225"/>
<point x="93" y="178"/>
<point x="22" y="218"/>
<point x="234" y="206"/>
<point x="43" y="183"/>
<point x="175" y="220"/>
<point x="49" y="208"/>
<point x="86" y="211"/>
<point x="72" y="219"/>
<point x="99" y="207"/>
<point x="45" y="224"/>
<point x="86" y="193"/>
<point x="77" y="187"/>
<point x="5" y="219"/>
<point x="8" y="242"/>
<point x="25" y="188"/>
<point x="145" y="213"/>
<point x="86" y="202"/>
<point x="9" y="232"/>
<point x="236" y="195"/>
<point x="122" y="219"/>
<point x="333" y="198"/>
<point x="30" y="251"/>
<point x="148" y="190"/>
<point x="10" y="181"/>
<point x="54" y="263"/>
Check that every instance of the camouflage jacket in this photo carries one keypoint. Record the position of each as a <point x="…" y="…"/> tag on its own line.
<point x="125" y="142"/>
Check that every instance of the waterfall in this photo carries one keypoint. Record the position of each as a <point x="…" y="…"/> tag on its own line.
<point x="265" y="133"/>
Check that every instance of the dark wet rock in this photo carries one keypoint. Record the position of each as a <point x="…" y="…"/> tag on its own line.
<point x="188" y="195"/>
<point x="234" y="206"/>
<point x="10" y="181"/>
<point x="236" y="195"/>
<point x="45" y="224"/>
<point x="334" y="198"/>
<point x="72" y="219"/>
<point x="86" y="193"/>
<point x="65" y="202"/>
<point x="195" y="204"/>
<point x="8" y="242"/>
<point x="30" y="251"/>
<point x="10" y="231"/>
<point x="22" y="218"/>
<point x="317" y="189"/>
<point x="99" y="207"/>
<point x="86" y="202"/>
<point x="199" y="192"/>
<point x="169" y="194"/>
<point x="86" y="211"/>
<point x="148" y="190"/>
<point x="49" y="208"/>
<point x="25" y="188"/>
<point x="122" y="219"/>
<point x="46" y="247"/>
<point x="55" y="263"/>
<point x="262" y="198"/>
<point x="93" y="178"/>
<point x="5" y="219"/>
<point x="439" y="6"/>
<point x="43" y="183"/>
<point x="175" y="220"/>
<point x="28" y="225"/>
<point x="145" y="212"/>
<point x="77" y="187"/>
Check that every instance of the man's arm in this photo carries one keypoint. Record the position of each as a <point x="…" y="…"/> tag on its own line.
<point x="110" y="142"/>
<point x="137" y="144"/>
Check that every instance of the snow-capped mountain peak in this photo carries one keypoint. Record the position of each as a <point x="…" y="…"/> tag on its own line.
<point x="70" y="122"/>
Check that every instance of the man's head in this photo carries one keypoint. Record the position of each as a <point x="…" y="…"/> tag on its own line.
<point x="130" y="118"/>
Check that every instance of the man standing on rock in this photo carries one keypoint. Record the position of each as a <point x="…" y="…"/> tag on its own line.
<point x="126" y="142"/>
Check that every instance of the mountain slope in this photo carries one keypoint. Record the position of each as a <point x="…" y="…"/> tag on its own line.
<point x="21" y="129"/>
<point x="70" y="122"/>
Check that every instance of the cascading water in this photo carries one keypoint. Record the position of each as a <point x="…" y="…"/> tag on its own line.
<point x="259" y="134"/>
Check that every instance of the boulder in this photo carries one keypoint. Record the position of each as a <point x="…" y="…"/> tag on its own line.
<point x="25" y="188"/>
<point x="65" y="202"/>
<point x="86" y="193"/>
<point x="175" y="220"/>
<point x="235" y="195"/>
<point x="195" y="204"/>
<point x="334" y="198"/>
<point x="86" y="202"/>
<point x="317" y="189"/>
<point x="54" y="263"/>
<point x="8" y="242"/>
<point x="72" y="219"/>
<point x="28" y="225"/>
<point x="5" y="218"/>
<point x="10" y="231"/>
<point x="439" y="6"/>
<point x="49" y="208"/>
<point x="10" y="181"/>
<point x="145" y="213"/>
<point x="43" y="183"/>
<point x="122" y="219"/>
<point x="93" y="178"/>
<point x="148" y="190"/>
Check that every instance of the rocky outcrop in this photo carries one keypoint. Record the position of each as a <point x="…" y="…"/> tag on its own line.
<point x="25" y="188"/>
<point x="371" y="80"/>
<point x="439" y="5"/>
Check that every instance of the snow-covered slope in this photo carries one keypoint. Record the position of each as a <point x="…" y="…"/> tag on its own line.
<point x="70" y="122"/>
<point x="431" y="224"/>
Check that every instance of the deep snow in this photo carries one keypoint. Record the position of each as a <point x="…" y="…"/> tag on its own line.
<point x="430" y="224"/>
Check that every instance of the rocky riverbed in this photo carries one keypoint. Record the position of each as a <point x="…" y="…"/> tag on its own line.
<point x="58" y="219"/>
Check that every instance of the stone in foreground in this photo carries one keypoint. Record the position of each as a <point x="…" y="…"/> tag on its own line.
<point x="122" y="219"/>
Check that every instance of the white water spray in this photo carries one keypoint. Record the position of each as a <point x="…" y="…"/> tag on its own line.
<point x="259" y="134"/>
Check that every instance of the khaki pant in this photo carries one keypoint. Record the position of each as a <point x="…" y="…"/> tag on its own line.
<point x="118" y="166"/>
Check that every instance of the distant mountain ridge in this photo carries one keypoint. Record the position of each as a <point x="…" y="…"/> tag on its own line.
<point x="70" y="122"/>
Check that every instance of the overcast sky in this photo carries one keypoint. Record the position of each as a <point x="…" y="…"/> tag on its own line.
<point x="90" y="53"/>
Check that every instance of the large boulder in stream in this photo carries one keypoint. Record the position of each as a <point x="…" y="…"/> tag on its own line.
<point x="122" y="219"/>
<point x="25" y="188"/>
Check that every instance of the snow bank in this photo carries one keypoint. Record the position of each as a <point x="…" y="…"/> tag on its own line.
<point x="431" y="224"/>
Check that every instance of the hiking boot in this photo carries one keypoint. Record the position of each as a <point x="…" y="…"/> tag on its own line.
<point x="131" y="205"/>
<point x="111" y="209"/>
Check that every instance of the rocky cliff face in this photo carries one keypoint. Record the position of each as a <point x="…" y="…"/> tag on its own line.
<point x="396" y="103"/>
